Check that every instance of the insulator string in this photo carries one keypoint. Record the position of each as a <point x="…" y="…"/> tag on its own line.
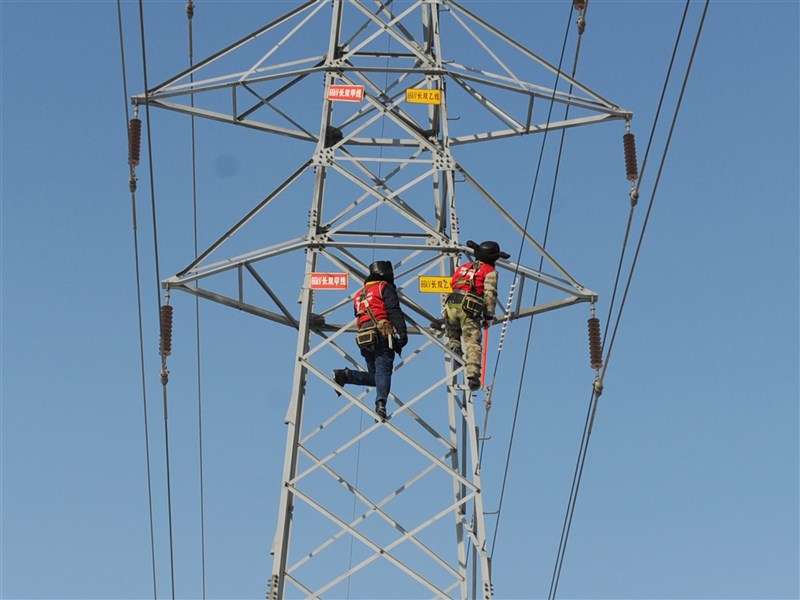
<point x="595" y="345"/>
<point x="134" y="141"/>
<point x="165" y="347"/>
<point x="631" y="168"/>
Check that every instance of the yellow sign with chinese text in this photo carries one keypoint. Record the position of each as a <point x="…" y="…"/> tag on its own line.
<point x="434" y="285"/>
<point x="420" y="96"/>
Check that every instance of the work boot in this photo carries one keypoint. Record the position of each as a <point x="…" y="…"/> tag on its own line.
<point x="474" y="383"/>
<point x="380" y="408"/>
<point x="340" y="376"/>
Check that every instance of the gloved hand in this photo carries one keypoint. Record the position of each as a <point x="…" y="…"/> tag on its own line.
<point x="400" y="340"/>
<point x="487" y="319"/>
<point x="438" y="327"/>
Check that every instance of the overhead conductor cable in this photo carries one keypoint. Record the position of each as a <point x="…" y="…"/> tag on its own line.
<point x="134" y="143"/>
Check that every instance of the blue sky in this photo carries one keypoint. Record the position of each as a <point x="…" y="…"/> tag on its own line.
<point x="690" y="488"/>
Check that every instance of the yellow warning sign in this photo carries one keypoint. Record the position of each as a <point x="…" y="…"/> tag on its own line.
<point x="435" y="285"/>
<point x="420" y="96"/>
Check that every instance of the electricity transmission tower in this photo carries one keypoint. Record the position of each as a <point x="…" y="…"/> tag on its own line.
<point x="383" y="93"/>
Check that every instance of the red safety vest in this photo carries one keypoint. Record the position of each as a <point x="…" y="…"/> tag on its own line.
<point x="369" y="304"/>
<point x="469" y="277"/>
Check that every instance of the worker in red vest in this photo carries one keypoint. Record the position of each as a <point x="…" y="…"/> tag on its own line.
<point x="471" y="304"/>
<point x="381" y="333"/>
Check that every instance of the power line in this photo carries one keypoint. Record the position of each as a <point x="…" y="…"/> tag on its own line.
<point x="164" y="371"/>
<point x="594" y="397"/>
<point x="132" y="186"/>
<point x="189" y="18"/>
<point x="658" y="176"/>
<point x="519" y="258"/>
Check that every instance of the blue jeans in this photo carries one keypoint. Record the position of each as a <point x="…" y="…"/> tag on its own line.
<point x="379" y="371"/>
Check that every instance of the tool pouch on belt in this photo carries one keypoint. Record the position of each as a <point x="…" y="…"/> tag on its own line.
<point x="472" y="305"/>
<point x="367" y="337"/>
<point x="385" y="328"/>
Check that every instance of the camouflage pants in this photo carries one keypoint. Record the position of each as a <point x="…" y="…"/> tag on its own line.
<point x="458" y="327"/>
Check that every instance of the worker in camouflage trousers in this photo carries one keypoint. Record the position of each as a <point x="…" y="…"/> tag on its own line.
<point x="471" y="304"/>
<point x="381" y="333"/>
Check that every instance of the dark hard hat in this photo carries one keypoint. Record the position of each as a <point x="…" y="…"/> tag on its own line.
<point x="489" y="248"/>
<point x="382" y="269"/>
<point x="488" y="251"/>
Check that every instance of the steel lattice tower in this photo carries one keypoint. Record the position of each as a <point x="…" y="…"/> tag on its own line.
<point x="381" y="180"/>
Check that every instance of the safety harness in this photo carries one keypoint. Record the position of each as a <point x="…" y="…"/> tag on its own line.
<point x="368" y="334"/>
<point x="471" y="302"/>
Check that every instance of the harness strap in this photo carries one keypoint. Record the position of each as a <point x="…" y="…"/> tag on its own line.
<point x="363" y="301"/>
<point x="470" y="280"/>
